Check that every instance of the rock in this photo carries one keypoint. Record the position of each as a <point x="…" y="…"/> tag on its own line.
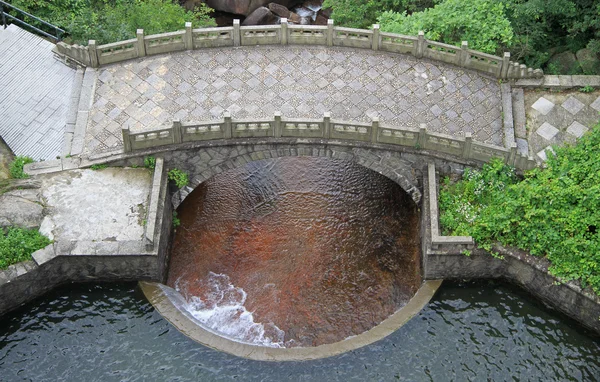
<point x="261" y="16"/>
<point x="246" y="7"/>
<point x="279" y="10"/>
<point x="564" y="63"/>
<point x="239" y="7"/>
<point x="320" y="20"/>
<point x="590" y="64"/>
<point x="6" y="156"/>
<point x="325" y="12"/>
<point x="18" y="211"/>
<point x="294" y="18"/>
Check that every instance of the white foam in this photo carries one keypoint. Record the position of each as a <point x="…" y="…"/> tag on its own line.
<point x="222" y="310"/>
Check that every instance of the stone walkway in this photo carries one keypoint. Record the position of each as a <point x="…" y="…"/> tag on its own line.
<point x="254" y="82"/>
<point x="559" y="117"/>
<point x="35" y="91"/>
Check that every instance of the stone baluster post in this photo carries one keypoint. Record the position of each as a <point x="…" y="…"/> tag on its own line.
<point x="374" y="129"/>
<point x="422" y="136"/>
<point x="93" y="51"/>
<point x="284" y="31"/>
<point x="512" y="156"/>
<point x="464" y="56"/>
<point x="420" y="45"/>
<point x="330" y="32"/>
<point x="237" y="37"/>
<point x="505" y="65"/>
<point x="140" y="44"/>
<point x="228" y="125"/>
<point x="189" y="37"/>
<point x="126" y="140"/>
<point x="467" y="146"/>
<point x="177" y="131"/>
<point x="327" y="125"/>
<point x="375" y="42"/>
<point x="277" y="128"/>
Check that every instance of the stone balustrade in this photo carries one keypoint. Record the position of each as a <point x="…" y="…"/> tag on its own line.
<point x="96" y="55"/>
<point x="325" y="128"/>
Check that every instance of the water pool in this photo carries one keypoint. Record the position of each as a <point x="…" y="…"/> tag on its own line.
<point x="106" y="332"/>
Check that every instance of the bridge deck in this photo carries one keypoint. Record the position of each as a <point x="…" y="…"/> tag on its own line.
<point x="254" y="82"/>
<point x="34" y="94"/>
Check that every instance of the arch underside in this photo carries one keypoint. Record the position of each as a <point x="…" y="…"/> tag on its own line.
<point x="207" y="162"/>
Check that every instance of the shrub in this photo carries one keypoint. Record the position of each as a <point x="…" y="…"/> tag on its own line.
<point x="150" y="162"/>
<point x="179" y="177"/>
<point x="96" y="167"/>
<point x="552" y="212"/>
<point x="16" y="167"/>
<point x="17" y="244"/>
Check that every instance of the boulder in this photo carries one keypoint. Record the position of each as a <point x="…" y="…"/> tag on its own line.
<point x="261" y="16"/>
<point x="279" y="10"/>
<point x="320" y="20"/>
<point x="19" y="211"/>
<point x="294" y="18"/>
<point x="246" y="7"/>
<point x="590" y="64"/>
<point x="564" y="63"/>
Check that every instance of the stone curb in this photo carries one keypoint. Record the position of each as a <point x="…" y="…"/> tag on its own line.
<point x="559" y="82"/>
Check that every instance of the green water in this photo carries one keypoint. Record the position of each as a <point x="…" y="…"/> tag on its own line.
<point x="472" y="332"/>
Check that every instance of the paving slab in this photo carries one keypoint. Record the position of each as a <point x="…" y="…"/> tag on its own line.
<point x="102" y="205"/>
<point x="573" y="114"/>
<point x="300" y="82"/>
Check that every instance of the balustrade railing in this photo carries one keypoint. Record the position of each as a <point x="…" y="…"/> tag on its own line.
<point x="329" y="35"/>
<point x="5" y="8"/>
<point x="325" y="128"/>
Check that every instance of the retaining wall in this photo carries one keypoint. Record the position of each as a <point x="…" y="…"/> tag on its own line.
<point x="83" y="261"/>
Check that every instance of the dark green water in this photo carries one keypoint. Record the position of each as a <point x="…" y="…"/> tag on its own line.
<point x="472" y="332"/>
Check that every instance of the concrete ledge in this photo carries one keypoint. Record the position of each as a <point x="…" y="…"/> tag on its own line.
<point x="155" y="198"/>
<point x="168" y="303"/>
<point x="559" y="82"/>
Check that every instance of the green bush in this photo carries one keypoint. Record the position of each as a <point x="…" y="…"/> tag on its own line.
<point x="150" y="162"/>
<point x="16" y="167"/>
<point x="552" y="212"/>
<point x="114" y="20"/>
<point x="17" y="244"/>
<point x="480" y="22"/>
<point x="179" y="177"/>
<point x="97" y="167"/>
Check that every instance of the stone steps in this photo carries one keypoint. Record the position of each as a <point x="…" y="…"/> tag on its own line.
<point x="35" y="90"/>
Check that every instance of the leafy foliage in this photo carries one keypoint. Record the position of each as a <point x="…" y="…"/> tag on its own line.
<point x="552" y="212"/>
<point x="480" y="22"/>
<point x="17" y="244"/>
<point x="97" y="167"/>
<point x="176" y="220"/>
<point x="364" y="13"/>
<point x="150" y="162"/>
<point x="16" y="167"/>
<point x="179" y="177"/>
<point x="114" y="20"/>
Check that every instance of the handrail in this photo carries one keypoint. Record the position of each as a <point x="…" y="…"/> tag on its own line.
<point x="323" y="128"/>
<point x="59" y="32"/>
<point x="291" y="34"/>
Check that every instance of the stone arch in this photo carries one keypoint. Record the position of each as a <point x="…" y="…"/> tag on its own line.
<point x="204" y="163"/>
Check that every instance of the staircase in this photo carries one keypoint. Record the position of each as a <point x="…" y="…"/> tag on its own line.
<point x="35" y="91"/>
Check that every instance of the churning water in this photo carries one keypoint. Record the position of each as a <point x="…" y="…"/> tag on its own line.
<point x="296" y="251"/>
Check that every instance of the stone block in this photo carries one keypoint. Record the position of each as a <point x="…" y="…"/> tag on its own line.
<point x="543" y="106"/>
<point x="44" y="255"/>
<point x="547" y="131"/>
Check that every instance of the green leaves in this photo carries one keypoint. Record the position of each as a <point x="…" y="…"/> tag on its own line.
<point x="16" y="167"/>
<point x="179" y="177"/>
<point x="552" y="212"/>
<point x="17" y="244"/>
<point x="480" y="22"/>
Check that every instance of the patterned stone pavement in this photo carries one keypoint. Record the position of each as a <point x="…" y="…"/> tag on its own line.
<point x="254" y="82"/>
<point x="555" y="118"/>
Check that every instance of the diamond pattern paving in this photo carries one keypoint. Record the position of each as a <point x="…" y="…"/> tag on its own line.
<point x="301" y="82"/>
